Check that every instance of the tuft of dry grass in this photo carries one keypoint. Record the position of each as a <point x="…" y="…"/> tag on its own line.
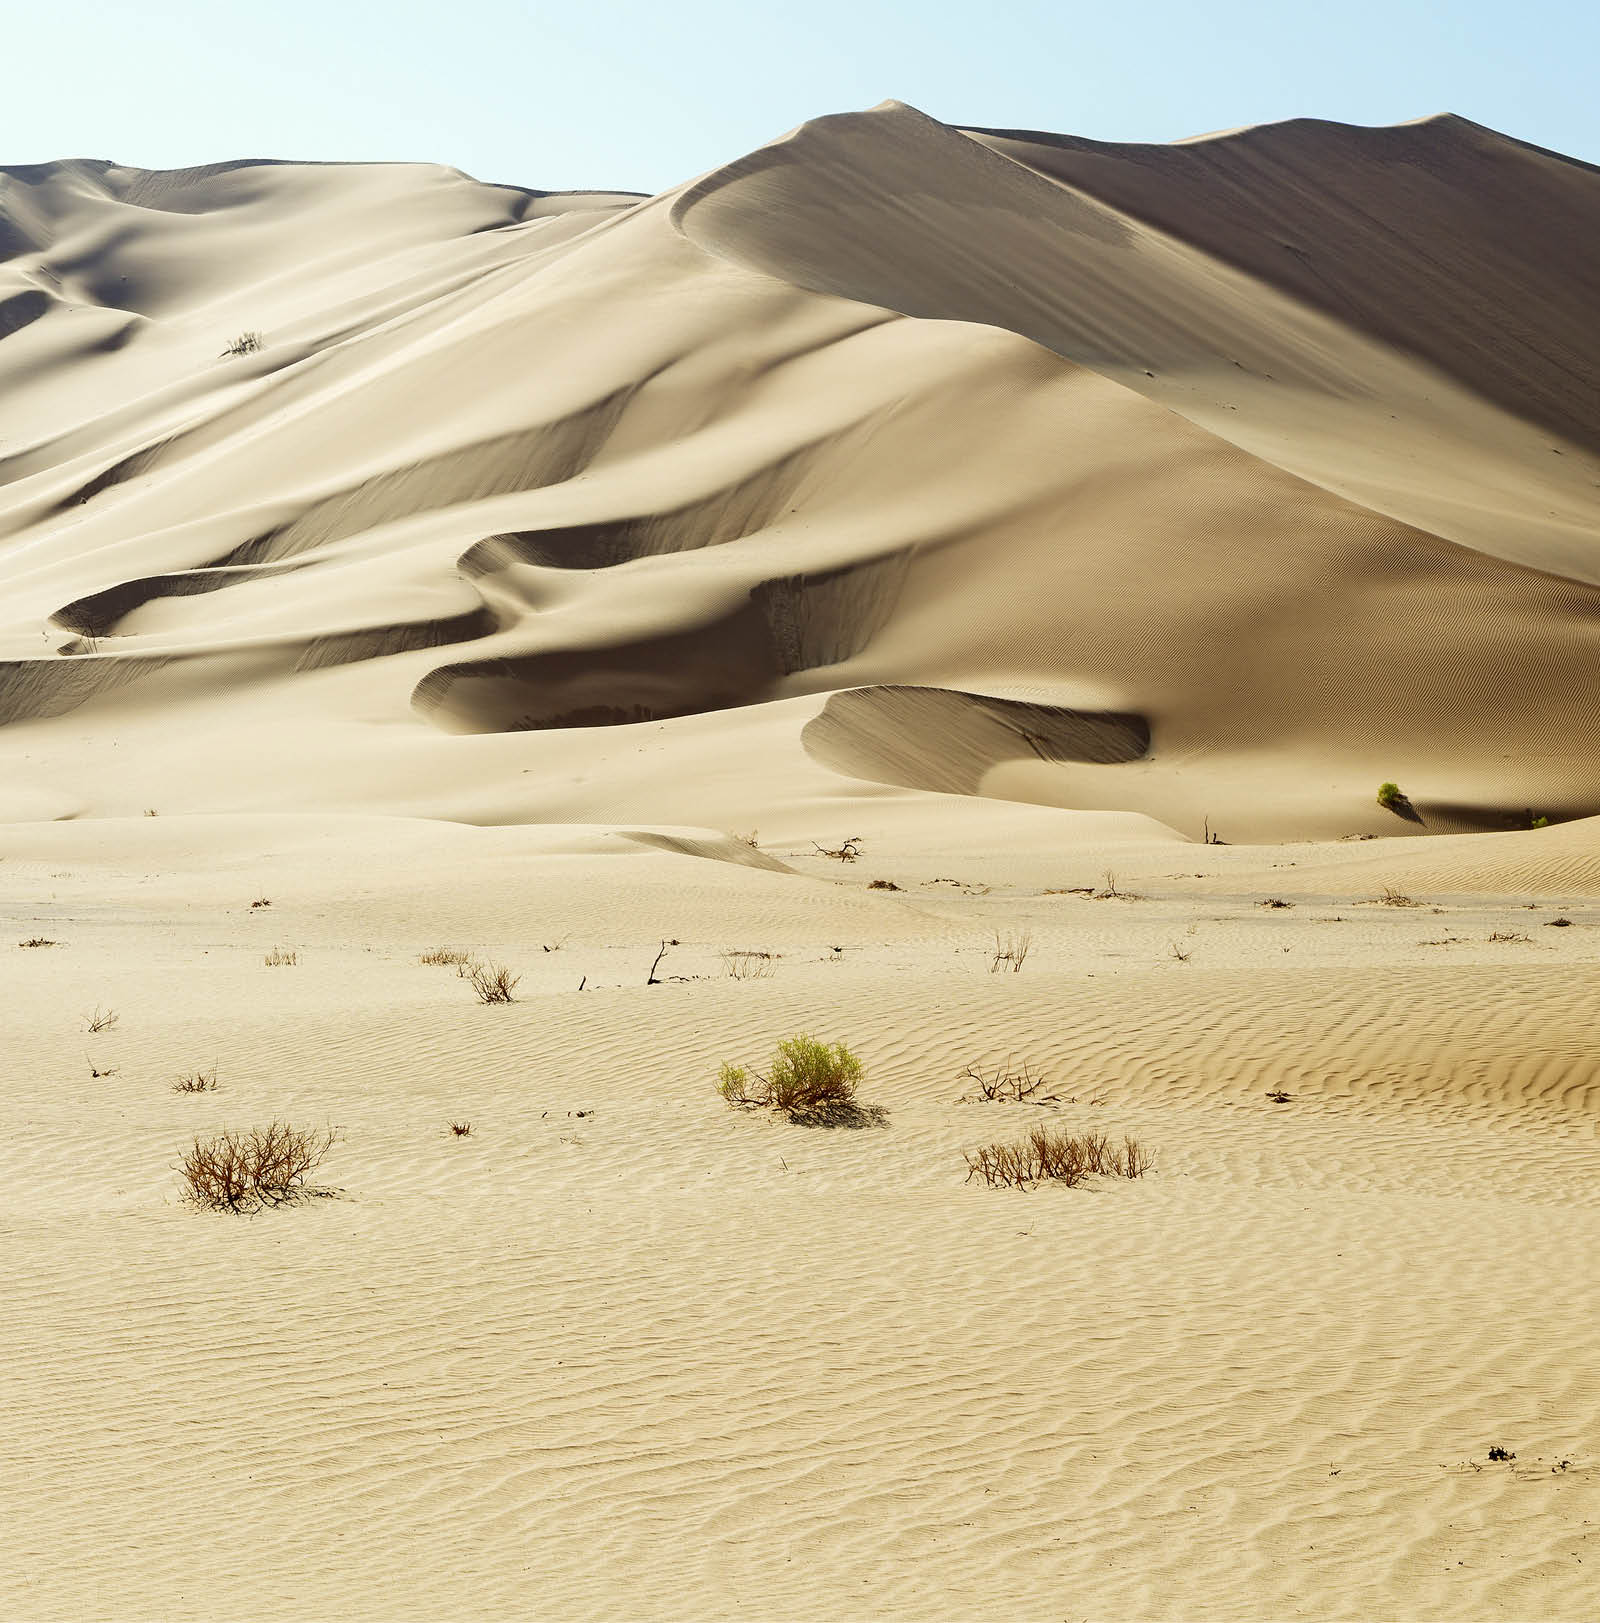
<point x="446" y="956"/>
<point x="38" y="941"/>
<point x="1510" y="935"/>
<point x="1006" y="1086"/>
<point x="247" y="343"/>
<point x="1275" y="902"/>
<point x="1012" y="950"/>
<point x="492" y="982"/>
<point x="278" y="956"/>
<point x="241" y="1172"/>
<point x="197" y="1081"/>
<point x="1395" y="898"/>
<point x="1057" y="1156"/>
<point x="261" y="901"/>
<point x="461" y="1129"/>
<point x="1112" y="891"/>
<point x="883" y="884"/>
<point x="101" y="1019"/>
<point x="749" y="965"/>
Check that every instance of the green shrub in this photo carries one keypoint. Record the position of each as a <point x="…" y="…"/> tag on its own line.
<point x="1390" y="796"/>
<point x="808" y="1079"/>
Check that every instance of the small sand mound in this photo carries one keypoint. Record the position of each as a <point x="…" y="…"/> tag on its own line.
<point x="941" y="739"/>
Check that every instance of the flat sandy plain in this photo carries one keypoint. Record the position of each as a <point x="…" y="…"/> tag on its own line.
<point x="553" y="579"/>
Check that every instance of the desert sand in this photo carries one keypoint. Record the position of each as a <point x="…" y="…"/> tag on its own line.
<point x="392" y="562"/>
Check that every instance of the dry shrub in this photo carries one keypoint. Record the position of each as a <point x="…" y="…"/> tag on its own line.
<point x="278" y="956"/>
<point x="1510" y="935"/>
<point x="1059" y="1157"/>
<point x="846" y="851"/>
<point x="247" y="343"/>
<point x="1006" y="1086"/>
<point x="241" y="1172"/>
<point x="1012" y="949"/>
<point x="809" y="1081"/>
<point x="38" y="941"/>
<point x="197" y="1082"/>
<point x="101" y="1019"/>
<point x="1395" y="898"/>
<point x="461" y="1129"/>
<point x="492" y="982"/>
<point x="260" y="901"/>
<point x="749" y="966"/>
<point x="1113" y="892"/>
<point x="445" y="956"/>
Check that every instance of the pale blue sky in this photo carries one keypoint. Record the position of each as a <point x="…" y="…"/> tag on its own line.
<point x="640" y="96"/>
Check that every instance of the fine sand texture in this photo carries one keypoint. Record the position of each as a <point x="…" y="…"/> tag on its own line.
<point x="853" y="594"/>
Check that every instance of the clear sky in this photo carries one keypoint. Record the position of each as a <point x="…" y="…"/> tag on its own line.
<point x="640" y="95"/>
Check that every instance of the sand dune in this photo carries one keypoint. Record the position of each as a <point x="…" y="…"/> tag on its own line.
<point x="391" y="561"/>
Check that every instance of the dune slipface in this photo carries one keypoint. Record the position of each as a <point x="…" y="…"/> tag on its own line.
<point x="855" y="594"/>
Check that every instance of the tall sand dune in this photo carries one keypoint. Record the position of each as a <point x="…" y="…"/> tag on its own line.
<point x="1281" y="441"/>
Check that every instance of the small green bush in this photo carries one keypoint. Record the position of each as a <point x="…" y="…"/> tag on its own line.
<point x="808" y="1079"/>
<point x="1390" y="796"/>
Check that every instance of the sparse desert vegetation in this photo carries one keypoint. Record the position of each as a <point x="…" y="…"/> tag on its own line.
<point x="1049" y="1155"/>
<point x="278" y="956"/>
<point x="197" y="1082"/>
<point x="243" y="1171"/>
<point x="38" y="941"/>
<point x="808" y="1080"/>
<point x="101" y="1019"/>
<point x="845" y="851"/>
<point x="1006" y="1084"/>
<point x="748" y="965"/>
<point x="1011" y="951"/>
<point x="446" y="956"/>
<point x="247" y="343"/>
<point x="1390" y="897"/>
<point x="494" y="983"/>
